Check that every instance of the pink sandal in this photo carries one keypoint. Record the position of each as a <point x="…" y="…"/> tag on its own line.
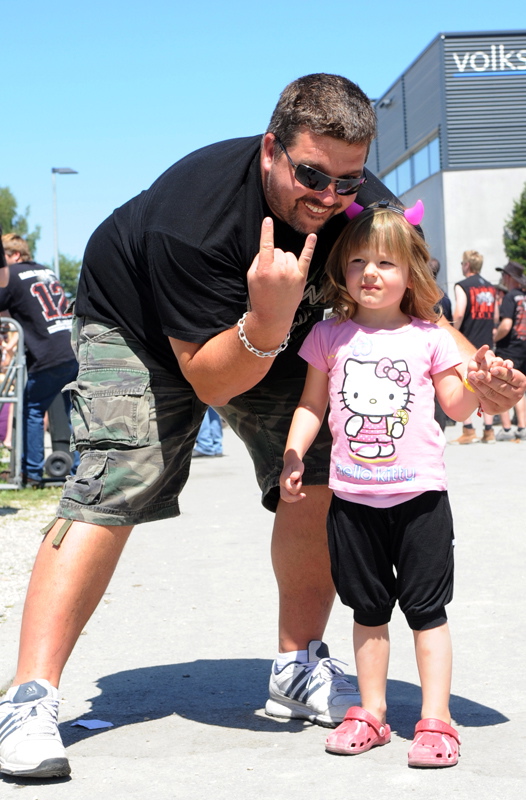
<point x="358" y="732"/>
<point x="436" y="744"/>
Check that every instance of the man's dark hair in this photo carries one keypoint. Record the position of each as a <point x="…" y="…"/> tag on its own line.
<point x="326" y="105"/>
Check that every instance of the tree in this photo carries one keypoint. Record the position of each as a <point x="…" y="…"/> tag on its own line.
<point x="515" y="231"/>
<point x="13" y="222"/>
<point x="69" y="274"/>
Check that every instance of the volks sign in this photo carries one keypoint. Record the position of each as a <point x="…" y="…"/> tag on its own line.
<point x="496" y="58"/>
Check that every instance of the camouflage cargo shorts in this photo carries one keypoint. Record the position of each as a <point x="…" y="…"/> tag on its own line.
<point x="134" y="425"/>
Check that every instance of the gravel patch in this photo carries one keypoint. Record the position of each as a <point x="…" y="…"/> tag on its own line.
<point x="20" y="537"/>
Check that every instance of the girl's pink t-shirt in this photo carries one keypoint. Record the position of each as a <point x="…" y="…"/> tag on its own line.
<point x="387" y="446"/>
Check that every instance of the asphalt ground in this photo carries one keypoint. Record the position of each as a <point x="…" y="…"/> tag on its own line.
<point x="178" y="653"/>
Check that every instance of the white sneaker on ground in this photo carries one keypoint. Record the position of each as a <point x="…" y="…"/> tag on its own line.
<point x="318" y="691"/>
<point x="30" y="743"/>
<point x="506" y="436"/>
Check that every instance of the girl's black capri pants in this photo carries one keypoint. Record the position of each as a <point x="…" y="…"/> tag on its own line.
<point x="404" y="553"/>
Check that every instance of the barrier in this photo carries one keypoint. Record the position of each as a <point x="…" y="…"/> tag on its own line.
<point x="12" y="383"/>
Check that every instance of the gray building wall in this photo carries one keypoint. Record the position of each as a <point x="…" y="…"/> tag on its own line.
<point x="485" y="93"/>
<point x="431" y="193"/>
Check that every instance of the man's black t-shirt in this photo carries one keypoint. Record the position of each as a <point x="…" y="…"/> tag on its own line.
<point x="35" y="299"/>
<point x="477" y="325"/>
<point x="513" y="307"/>
<point x="173" y="261"/>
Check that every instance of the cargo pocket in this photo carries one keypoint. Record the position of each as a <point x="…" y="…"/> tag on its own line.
<point x="111" y="408"/>
<point x="87" y="486"/>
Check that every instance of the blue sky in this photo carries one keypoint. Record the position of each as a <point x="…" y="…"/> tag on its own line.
<point x="120" y="90"/>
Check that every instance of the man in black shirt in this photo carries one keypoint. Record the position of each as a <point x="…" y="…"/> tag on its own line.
<point x="200" y="292"/>
<point x="510" y="341"/>
<point x="474" y="316"/>
<point x="36" y="300"/>
<point x="445" y="302"/>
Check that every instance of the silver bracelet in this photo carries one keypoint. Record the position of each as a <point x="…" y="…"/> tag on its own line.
<point x="242" y="335"/>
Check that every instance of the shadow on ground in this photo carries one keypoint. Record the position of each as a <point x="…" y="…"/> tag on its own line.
<point x="8" y="511"/>
<point x="228" y="692"/>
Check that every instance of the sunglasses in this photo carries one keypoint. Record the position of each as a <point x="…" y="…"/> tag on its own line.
<point x="318" y="181"/>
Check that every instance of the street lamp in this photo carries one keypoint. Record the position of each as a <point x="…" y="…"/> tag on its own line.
<point x="54" y="172"/>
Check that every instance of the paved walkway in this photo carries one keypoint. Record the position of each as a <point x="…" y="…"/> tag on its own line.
<point x="177" y="657"/>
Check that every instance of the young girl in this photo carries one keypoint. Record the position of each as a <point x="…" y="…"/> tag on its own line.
<point x="379" y="363"/>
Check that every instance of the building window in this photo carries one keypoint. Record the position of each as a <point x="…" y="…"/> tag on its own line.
<point x="415" y="168"/>
<point x="420" y="161"/>
<point x="434" y="156"/>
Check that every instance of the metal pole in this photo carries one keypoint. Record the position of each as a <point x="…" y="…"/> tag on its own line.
<point x="54" y="172"/>
<point x="55" y="223"/>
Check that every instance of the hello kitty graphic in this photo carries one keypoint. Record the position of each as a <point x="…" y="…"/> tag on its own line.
<point x="377" y="393"/>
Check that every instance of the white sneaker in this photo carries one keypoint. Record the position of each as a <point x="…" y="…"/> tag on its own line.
<point x="30" y="743"/>
<point x="506" y="436"/>
<point x="319" y="691"/>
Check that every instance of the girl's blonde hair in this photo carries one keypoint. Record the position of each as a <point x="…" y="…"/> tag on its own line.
<point x="388" y="229"/>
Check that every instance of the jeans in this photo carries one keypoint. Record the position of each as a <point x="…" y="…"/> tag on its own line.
<point x="210" y="437"/>
<point x="41" y="389"/>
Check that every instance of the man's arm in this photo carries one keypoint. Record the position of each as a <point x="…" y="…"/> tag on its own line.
<point x="465" y="348"/>
<point x="461" y="303"/>
<point x="497" y="389"/>
<point x="223" y="367"/>
<point x="505" y="326"/>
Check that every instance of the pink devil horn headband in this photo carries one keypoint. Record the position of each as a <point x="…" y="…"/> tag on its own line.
<point x="353" y="210"/>
<point x="414" y="215"/>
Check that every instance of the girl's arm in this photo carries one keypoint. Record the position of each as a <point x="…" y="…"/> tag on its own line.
<point x="456" y="400"/>
<point x="304" y="428"/>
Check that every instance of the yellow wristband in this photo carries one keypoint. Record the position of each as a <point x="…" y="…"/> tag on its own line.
<point x="467" y="384"/>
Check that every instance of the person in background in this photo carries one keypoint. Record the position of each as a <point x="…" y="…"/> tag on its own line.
<point x="510" y="340"/>
<point x="209" y="440"/>
<point x="444" y="302"/>
<point x="8" y="346"/>
<point x="35" y="298"/>
<point x="445" y="306"/>
<point x="474" y="316"/>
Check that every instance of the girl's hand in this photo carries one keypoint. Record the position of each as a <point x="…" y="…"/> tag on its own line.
<point x="483" y="360"/>
<point x="290" y="481"/>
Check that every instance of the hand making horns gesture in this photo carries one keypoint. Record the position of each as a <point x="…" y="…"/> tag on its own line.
<point x="276" y="279"/>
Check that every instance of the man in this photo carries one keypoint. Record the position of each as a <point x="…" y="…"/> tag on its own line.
<point x="445" y="307"/>
<point x="445" y="302"/>
<point x="36" y="300"/>
<point x="510" y="340"/>
<point x="170" y="273"/>
<point x="474" y="316"/>
<point x="209" y="441"/>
